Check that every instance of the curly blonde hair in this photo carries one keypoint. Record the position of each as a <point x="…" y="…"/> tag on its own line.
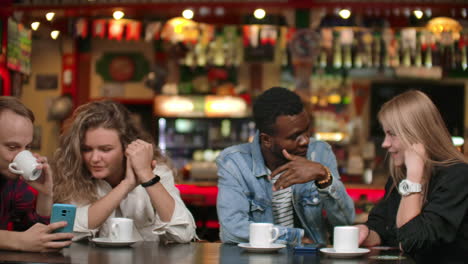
<point x="72" y="180"/>
<point x="414" y="118"/>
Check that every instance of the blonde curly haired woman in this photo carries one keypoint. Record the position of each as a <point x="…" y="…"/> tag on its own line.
<point x="108" y="168"/>
<point x="425" y="209"/>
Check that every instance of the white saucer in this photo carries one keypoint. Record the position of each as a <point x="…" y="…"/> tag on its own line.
<point x="106" y="242"/>
<point x="333" y="253"/>
<point x="272" y="248"/>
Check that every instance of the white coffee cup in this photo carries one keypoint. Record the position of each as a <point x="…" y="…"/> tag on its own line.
<point x="346" y="238"/>
<point x="261" y="234"/>
<point x="121" y="229"/>
<point x="25" y="164"/>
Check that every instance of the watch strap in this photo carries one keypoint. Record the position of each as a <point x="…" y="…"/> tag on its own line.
<point x="153" y="181"/>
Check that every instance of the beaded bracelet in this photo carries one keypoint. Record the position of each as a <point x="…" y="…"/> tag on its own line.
<point x="329" y="176"/>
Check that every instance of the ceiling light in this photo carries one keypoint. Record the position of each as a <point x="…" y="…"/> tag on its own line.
<point x="54" y="34"/>
<point x="204" y="11"/>
<point x="407" y="12"/>
<point x="35" y="25"/>
<point x="344" y="13"/>
<point x="259" y="13"/>
<point x="428" y="12"/>
<point x="49" y="16"/>
<point x="187" y="14"/>
<point x="418" y="14"/>
<point x="118" y="15"/>
<point x="219" y="11"/>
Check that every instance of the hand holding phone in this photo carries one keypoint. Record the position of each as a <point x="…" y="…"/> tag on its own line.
<point x="63" y="212"/>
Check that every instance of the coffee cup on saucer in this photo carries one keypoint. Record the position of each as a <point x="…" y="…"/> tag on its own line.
<point x="121" y="229"/>
<point x="346" y="239"/>
<point x="263" y="234"/>
<point x="25" y="164"/>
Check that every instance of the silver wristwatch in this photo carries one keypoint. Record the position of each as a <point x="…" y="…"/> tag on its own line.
<point x="407" y="187"/>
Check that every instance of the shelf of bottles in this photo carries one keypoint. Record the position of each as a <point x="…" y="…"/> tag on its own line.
<point x="361" y="49"/>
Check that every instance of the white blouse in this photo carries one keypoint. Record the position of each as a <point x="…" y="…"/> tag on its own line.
<point x="137" y="206"/>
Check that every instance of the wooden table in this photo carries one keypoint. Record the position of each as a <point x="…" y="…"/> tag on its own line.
<point x="206" y="253"/>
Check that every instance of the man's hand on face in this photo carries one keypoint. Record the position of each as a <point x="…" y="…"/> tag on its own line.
<point x="297" y="170"/>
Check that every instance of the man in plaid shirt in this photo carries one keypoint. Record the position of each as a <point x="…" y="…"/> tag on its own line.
<point x="25" y="206"/>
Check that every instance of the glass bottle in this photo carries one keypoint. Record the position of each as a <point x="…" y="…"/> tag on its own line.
<point x="337" y="53"/>
<point x="462" y="47"/>
<point x="418" y="51"/>
<point x="377" y="50"/>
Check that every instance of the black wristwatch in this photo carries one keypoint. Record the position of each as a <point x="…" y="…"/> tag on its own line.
<point x="153" y="181"/>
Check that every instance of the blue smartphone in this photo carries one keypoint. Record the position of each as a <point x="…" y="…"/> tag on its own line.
<point x="63" y="212"/>
<point x="307" y="249"/>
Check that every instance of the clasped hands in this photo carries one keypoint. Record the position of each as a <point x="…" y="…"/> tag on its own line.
<point x="297" y="170"/>
<point x="139" y="164"/>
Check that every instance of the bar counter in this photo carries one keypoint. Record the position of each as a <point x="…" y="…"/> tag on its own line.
<point x="206" y="253"/>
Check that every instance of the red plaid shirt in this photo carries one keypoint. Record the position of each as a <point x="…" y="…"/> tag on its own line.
<point x="18" y="206"/>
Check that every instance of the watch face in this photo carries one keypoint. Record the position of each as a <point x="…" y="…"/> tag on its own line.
<point x="404" y="186"/>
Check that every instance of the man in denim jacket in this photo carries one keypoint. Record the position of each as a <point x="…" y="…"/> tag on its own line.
<point x="281" y="157"/>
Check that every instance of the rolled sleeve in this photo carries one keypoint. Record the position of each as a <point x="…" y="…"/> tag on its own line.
<point x="181" y="228"/>
<point x="81" y="222"/>
<point x="290" y="236"/>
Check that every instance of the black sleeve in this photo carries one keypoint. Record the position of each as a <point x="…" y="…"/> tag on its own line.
<point x="442" y="215"/>
<point x="379" y="218"/>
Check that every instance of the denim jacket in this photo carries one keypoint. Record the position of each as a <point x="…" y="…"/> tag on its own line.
<point x="245" y="196"/>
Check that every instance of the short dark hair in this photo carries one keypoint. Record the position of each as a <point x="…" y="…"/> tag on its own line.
<point x="274" y="102"/>
<point x="16" y="106"/>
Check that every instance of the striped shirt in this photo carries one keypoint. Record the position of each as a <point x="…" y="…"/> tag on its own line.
<point x="283" y="213"/>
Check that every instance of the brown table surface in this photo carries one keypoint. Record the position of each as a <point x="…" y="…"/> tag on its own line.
<point x="151" y="252"/>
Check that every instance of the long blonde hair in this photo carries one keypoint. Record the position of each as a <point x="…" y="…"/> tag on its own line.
<point x="414" y="118"/>
<point x="72" y="180"/>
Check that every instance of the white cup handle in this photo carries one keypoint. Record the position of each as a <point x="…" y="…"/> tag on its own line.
<point x="277" y="233"/>
<point x="114" y="234"/>
<point x="12" y="169"/>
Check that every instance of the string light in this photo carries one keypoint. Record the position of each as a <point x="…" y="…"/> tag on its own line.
<point x="49" y="16"/>
<point x="54" y="34"/>
<point x="35" y="25"/>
